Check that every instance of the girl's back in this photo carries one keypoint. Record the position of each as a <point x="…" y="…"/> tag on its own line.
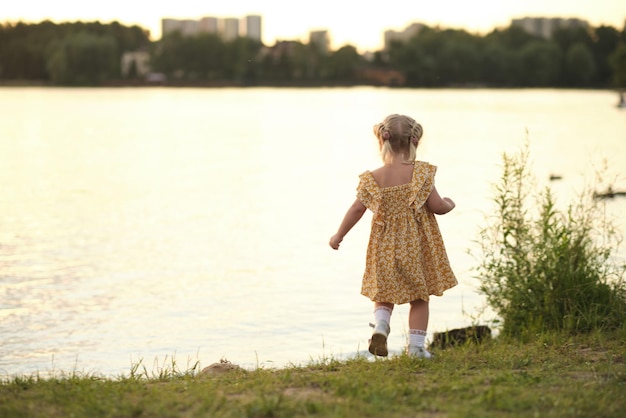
<point x="393" y="175"/>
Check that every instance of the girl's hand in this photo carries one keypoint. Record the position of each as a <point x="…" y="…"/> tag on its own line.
<point x="334" y="241"/>
<point x="437" y="204"/>
<point x="450" y="202"/>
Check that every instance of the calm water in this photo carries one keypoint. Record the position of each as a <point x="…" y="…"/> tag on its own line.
<point x="146" y="224"/>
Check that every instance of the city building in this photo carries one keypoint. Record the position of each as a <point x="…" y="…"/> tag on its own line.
<point x="545" y="26"/>
<point x="171" y="25"/>
<point x="401" y="36"/>
<point x="321" y="39"/>
<point x="253" y="28"/>
<point x="208" y="25"/>
<point x="135" y="64"/>
<point x="186" y="27"/>
<point x="228" y="28"/>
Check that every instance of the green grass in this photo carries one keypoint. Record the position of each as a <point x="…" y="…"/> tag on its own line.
<point x="555" y="375"/>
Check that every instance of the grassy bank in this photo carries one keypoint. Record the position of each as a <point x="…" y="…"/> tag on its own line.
<point x="553" y="376"/>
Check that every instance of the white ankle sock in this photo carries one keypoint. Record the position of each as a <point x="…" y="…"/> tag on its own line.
<point x="417" y="337"/>
<point x="382" y="314"/>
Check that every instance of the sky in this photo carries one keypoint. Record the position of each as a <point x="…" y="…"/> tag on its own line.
<point x="354" y="22"/>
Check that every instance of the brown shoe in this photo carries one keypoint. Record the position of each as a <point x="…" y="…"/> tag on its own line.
<point x="378" y="342"/>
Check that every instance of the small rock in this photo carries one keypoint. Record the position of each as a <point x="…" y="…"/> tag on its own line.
<point x="224" y="366"/>
<point x="474" y="334"/>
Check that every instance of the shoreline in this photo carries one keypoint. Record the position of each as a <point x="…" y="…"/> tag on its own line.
<point x="288" y="84"/>
<point x="554" y="375"/>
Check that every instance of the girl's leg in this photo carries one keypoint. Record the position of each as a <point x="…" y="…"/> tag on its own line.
<point x="418" y="324"/>
<point x="382" y="318"/>
<point x="418" y="315"/>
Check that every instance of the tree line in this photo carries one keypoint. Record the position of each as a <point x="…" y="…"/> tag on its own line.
<point x="68" y="53"/>
<point x="90" y="53"/>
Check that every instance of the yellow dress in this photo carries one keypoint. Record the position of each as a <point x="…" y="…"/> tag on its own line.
<point x="406" y="257"/>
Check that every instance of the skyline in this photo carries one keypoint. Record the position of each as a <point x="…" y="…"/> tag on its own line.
<point x="348" y="22"/>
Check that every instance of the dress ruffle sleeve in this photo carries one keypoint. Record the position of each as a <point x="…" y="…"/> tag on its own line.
<point x="368" y="192"/>
<point x="424" y="181"/>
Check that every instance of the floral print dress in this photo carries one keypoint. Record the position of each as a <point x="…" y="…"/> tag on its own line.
<point x="406" y="257"/>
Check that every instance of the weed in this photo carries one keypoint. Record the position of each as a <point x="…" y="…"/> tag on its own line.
<point x="544" y="269"/>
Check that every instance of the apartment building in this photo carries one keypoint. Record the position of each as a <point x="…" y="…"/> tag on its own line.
<point x="186" y="27"/>
<point x="545" y="26"/>
<point x="208" y="25"/>
<point x="321" y="39"/>
<point x="403" y="36"/>
<point x="228" y="28"/>
<point x="253" y="27"/>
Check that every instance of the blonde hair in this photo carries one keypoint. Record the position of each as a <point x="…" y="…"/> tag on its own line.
<point x="398" y="134"/>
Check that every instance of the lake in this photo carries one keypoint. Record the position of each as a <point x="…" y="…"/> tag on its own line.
<point x="158" y="224"/>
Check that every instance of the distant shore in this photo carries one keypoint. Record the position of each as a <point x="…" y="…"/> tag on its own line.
<point x="277" y="84"/>
<point x="217" y="83"/>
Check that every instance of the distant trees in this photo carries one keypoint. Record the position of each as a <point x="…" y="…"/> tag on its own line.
<point x="540" y="63"/>
<point x="509" y="57"/>
<point x="606" y="43"/>
<point x="580" y="66"/>
<point x="341" y="64"/>
<point x="90" y="54"/>
<point x="618" y="63"/>
<point x="68" y="53"/>
<point x="82" y="59"/>
<point x="195" y="58"/>
<point x="206" y="57"/>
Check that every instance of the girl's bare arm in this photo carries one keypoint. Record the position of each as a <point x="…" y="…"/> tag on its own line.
<point x="437" y="204"/>
<point x="353" y="215"/>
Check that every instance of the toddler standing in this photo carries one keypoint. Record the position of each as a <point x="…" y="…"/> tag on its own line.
<point x="406" y="260"/>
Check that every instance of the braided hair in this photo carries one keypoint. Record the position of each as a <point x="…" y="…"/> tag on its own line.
<point x="398" y="134"/>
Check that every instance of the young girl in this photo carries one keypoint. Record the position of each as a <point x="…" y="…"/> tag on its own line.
<point x="406" y="258"/>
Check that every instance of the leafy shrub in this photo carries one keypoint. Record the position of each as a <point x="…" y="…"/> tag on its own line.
<point x="543" y="269"/>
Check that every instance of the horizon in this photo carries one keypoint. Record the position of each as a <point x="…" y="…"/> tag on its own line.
<point x="349" y="23"/>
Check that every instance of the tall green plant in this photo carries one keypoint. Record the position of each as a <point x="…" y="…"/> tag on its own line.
<point x="544" y="269"/>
